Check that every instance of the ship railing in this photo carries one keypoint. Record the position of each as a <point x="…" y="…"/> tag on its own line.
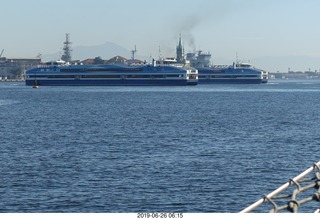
<point x="306" y="185"/>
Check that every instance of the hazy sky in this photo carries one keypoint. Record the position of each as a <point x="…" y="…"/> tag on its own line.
<point x="250" y="28"/>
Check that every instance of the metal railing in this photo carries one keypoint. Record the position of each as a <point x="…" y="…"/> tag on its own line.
<point x="300" y="185"/>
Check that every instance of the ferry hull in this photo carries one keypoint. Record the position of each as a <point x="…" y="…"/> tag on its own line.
<point x="111" y="75"/>
<point x="231" y="81"/>
<point x="111" y="82"/>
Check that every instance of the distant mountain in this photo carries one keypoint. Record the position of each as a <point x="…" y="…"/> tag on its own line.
<point x="105" y="51"/>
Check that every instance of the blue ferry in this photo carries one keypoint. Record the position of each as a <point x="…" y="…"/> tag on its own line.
<point x="111" y="75"/>
<point x="237" y="73"/>
<point x="241" y="73"/>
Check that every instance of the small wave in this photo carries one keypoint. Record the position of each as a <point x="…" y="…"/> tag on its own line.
<point x="7" y="102"/>
<point x="305" y="83"/>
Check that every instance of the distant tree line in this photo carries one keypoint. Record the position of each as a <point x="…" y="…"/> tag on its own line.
<point x="98" y="60"/>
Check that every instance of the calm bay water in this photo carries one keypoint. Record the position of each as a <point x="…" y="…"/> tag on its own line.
<point x="205" y="148"/>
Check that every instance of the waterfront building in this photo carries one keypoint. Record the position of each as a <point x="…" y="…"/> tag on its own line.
<point x="14" y="68"/>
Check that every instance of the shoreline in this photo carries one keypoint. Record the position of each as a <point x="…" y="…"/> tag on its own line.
<point x="13" y="80"/>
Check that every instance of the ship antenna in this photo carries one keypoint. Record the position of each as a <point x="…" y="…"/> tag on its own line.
<point x="160" y="56"/>
<point x="133" y="52"/>
<point x="237" y="58"/>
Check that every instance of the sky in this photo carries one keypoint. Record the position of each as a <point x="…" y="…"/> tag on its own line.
<point x="247" y="29"/>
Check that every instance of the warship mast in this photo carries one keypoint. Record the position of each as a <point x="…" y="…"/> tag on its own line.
<point x="67" y="49"/>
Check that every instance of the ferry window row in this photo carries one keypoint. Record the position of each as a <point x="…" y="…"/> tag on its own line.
<point x="228" y="76"/>
<point x="211" y="71"/>
<point x="108" y="76"/>
<point x="75" y="70"/>
<point x="100" y="69"/>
